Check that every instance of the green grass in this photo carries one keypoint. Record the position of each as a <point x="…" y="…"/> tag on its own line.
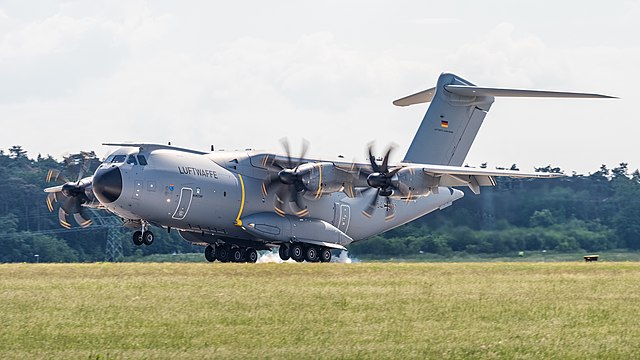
<point x="365" y="310"/>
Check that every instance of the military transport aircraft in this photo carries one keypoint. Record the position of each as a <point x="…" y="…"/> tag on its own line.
<point x="236" y="203"/>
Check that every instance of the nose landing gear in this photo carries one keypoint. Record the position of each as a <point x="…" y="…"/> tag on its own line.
<point x="145" y="236"/>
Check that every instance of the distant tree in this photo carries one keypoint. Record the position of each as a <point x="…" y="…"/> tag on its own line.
<point x="542" y="218"/>
<point x="549" y="169"/>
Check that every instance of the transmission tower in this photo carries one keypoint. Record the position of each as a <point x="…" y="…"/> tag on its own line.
<point x="113" y="226"/>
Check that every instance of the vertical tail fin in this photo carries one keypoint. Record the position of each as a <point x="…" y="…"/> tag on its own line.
<point x="455" y="115"/>
<point x="450" y="124"/>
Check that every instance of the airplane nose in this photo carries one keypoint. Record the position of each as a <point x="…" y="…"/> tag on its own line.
<point x="107" y="184"/>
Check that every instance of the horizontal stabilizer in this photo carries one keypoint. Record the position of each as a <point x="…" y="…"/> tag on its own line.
<point x="417" y="98"/>
<point x="470" y="91"/>
<point x="485" y="91"/>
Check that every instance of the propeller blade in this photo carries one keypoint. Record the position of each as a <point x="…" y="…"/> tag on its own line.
<point x="51" y="199"/>
<point x="56" y="176"/>
<point x="298" y="205"/>
<point x="270" y="162"/>
<point x="372" y="159"/>
<point x="394" y="171"/>
<point x="69" y="205"/>
<point x="285" y="145"/>
<point x="349" y="190"/>
<point x="85" y="166"/>
<point x="268" y="183"/>
<point x="280" y="200"/>
<point x="390" y="208"/>
<point x="371" y="207"/>
<point x="82" y="219"/>
<point x="385" y="160"/>
<point x="404" y="189"/>
<point x="303" y="152"/>
<point x="62" y="218"/>
<point x="53" y="189"/>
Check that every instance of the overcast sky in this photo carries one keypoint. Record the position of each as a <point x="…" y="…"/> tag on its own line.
<point x="243" y="74"/>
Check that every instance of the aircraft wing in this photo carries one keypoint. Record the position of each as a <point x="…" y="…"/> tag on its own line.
<point x="459" y="170"/>
<point x="474" y="178"/>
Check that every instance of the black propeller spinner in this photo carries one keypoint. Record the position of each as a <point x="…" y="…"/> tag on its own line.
<point x="287" y="179"/>
<point x="381" y="180"/>
<point x="72" y="192"/>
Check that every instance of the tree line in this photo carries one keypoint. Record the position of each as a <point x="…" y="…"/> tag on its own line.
<point x="593" y="212"/>
<point x="27" y="228"/>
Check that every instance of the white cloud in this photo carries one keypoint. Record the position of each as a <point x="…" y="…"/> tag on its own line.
<point x="147" y="71"/>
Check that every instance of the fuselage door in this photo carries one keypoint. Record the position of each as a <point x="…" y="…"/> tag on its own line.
<point x="342" y="216"/>
<point x="186" y="194"/>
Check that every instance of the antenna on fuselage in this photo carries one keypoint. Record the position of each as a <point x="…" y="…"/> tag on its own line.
<point x="211" y="148"/>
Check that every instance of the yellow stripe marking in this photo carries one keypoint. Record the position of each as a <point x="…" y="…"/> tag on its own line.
<point x="319" y="192"/>
<point x="238" y="221"/>
<point x="278" y="211"/>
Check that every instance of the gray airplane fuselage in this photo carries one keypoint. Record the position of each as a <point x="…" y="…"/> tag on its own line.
<point x="212" y="193"/>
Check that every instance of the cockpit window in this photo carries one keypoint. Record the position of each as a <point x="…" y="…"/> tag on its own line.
<point x="118" y="159"/>
<point x="142" y="160"/>
<point x="132" y="160"/>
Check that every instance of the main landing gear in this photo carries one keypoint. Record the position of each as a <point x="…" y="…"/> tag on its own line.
<point x="140" y="238"/>
<point x="301" y="252"/>
<point x="227" y="253"/>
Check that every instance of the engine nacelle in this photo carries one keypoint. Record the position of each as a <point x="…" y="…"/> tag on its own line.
<point x="414" y="182"/>
<point x="323" y="178"/>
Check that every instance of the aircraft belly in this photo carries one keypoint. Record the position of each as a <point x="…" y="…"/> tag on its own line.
<point x="362" y="227"/>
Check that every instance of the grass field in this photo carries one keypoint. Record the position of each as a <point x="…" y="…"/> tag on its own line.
<point x="377" y="310"/>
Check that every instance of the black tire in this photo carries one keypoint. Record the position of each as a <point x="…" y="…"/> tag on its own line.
<point x="148" y="237"/>
<point x="237" y="255"/>
<point x="137" y="238"/>
<point x="223" y="253"/>
<point x="210" y="253"/>
<point x="251" y="255"/>
<point x="297" y="252"/>
<point x="311" y="254"/>
<point x="284" y="252"/>
<point x="325" y="255"/>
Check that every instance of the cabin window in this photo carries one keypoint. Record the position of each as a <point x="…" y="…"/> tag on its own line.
<point x="117" y="159"/>
<point x="132" y="160"/>
<point x="142" y="160"/>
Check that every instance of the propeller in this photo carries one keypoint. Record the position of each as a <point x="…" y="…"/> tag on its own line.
<point x="381" y="181"/>
<point x="71" y="194"/>
<point x="287" y="180"/>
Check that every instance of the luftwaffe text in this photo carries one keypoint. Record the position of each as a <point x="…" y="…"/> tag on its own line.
<point x="187" y="170"/>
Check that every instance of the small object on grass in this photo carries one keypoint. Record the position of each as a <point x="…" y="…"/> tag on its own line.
<point x="590" y="258"/>
<point x="521" y="253"/>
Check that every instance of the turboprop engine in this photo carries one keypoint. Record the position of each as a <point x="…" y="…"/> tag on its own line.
<point x="413" y="182"/>
<point x="326" y="178"/>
